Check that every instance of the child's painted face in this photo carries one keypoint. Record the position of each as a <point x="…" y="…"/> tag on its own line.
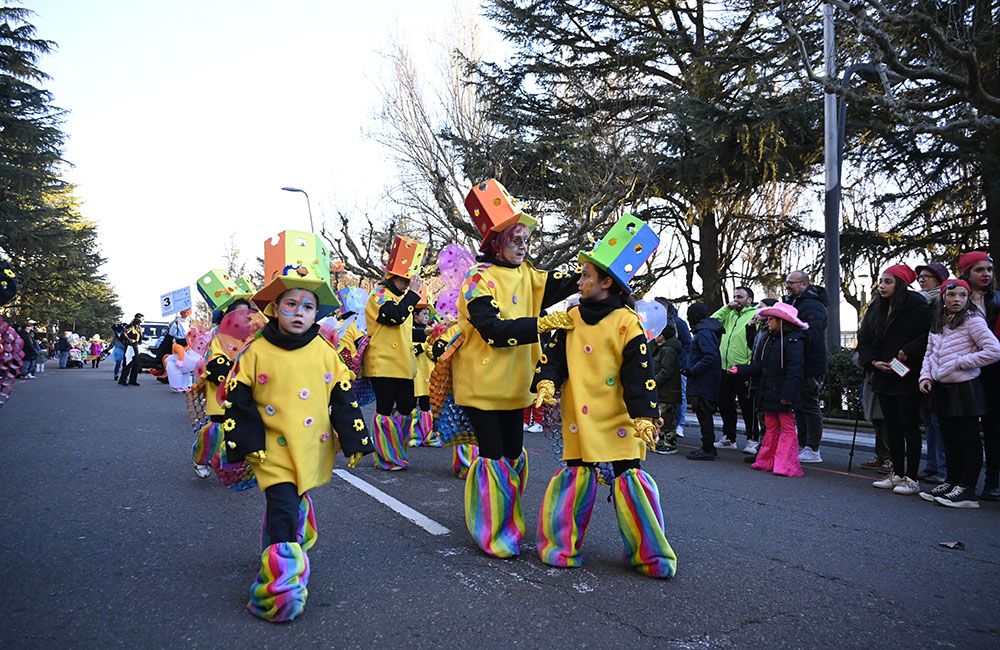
<point x="422" y="316"/>
<point x="590" y="284"/>
<point x="981" y="274"/>
<point x="296" y="311"/>
<point x="773" y="324"/>
<point x="955" y="299"/>
<point x="886" y="285"/>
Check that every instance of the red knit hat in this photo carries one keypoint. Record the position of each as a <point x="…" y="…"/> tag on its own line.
<point x="903" y="272"/>
<point x="968" y="260"/>
<point x="951" y="283"/>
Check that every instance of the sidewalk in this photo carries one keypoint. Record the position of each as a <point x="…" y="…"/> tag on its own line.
<point x="832" y="436"/>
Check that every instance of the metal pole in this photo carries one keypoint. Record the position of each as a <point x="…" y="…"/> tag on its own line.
<point x="312" y="229"/>
<point x="831" y="204"/>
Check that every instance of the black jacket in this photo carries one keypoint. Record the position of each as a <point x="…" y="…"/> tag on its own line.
<point x="776" y="370"/>
<point x="811" y="305"/>
<point x="667" y="370"/>
<point x="905" y="331"/>
<point x="703" y="367"/>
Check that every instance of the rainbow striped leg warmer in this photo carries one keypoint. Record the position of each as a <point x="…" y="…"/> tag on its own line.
<point x="279" y="592"/>
<point x="640" y="520"/>
<point x="425" y="430"/>
<point x="206" y="443"/>
<point x="389" y="454"/>
<point x="565" y="515"/>
<point x="415" y="436"/>
<point x="520" y="466"/>
<point x="462" y="457"/>
<point x="407" y="431"/>
<point x="305" y="534"/>
<point x="493" y="507"/>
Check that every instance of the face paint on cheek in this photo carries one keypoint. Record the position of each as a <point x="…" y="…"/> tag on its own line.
<point x="295" y="309"/>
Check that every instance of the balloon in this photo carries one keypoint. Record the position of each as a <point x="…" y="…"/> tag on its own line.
<point x="653" y="315"/>
<point x="354" y="300"/>
<point x="454" y="262"/>
<point x="447" y="304"/>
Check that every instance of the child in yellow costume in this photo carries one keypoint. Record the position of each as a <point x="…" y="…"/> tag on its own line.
<point x="290" y="406"/>
<point x="499" y="311"/>
<point x="423" y="432"/>
<point x="609" y="403"/>
<point x="390" y="366"/>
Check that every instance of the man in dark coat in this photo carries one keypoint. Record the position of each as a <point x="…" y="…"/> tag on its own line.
<point x="703" y="370"/>
<point x="811" y="302"/>
<point x="131" y="337"/>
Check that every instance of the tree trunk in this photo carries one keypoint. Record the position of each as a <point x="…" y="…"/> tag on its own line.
<point x="991" y="192"/>
<point x="708" y="264"/>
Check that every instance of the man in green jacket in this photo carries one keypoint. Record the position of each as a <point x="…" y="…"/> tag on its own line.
<point x="735" y="318"/>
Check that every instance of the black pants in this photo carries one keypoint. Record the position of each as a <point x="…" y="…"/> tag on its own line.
<point x="393" y="392"/>
<point x="95" y="362"/>
<point x="902" y="423"/>
<point x="424" y="402"/>
<point x="704" y="410"/>
<point x="498" y="433"/>
<point x="733" y="390"/>
<point x="130" y="373"/>
<point x="963" y="450"/>
<point x="282" y="512"/>
<point x="618" y="466"/>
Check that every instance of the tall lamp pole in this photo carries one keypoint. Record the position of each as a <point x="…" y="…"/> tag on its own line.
<point x="308" y="205"/>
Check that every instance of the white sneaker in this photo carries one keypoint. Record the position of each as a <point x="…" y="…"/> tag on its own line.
<point x="203" y="471"/>
<point x="534" y="428"/>
<point x="680" y="431"/>
<point x="751" y="447"/>
<point x="525" y="428"/>
<point x="726" y="443"/>
<point x="887" y="483"/>
<point x="907" y="486"/>
<point x="808" y="455"/>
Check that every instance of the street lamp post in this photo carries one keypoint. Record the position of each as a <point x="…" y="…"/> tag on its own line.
<point x="308" y="205"/>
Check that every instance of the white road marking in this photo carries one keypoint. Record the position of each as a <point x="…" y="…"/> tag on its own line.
<point x="425" y="522"/>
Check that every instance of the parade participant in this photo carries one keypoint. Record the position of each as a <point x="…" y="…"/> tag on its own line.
<point x="178" y="329"/>
<point x="389" y="363"/>
<point x="976" y="268"/>
<point x="893" y="333"/>
<point x="608" y="403"/>
<point x="96" y="350"/>
<point x="11" y="350"/>
<point x="131" y="337"/>
<point x="290" y="406"/>
<point x="423" y="432"/>
<point x="351" y="323"/>
<point x="776" y="369"/>
<point x="498" y="310"/>
<point x="960" y="343"/>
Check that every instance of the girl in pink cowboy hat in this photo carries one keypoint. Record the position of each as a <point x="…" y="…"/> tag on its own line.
<point x="776" y="373"/>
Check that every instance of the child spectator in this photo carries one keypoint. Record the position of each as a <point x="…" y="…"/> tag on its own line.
<point x="703" y="370"/>
<point x="777" y="370"/>
<point x="960" y="343"/>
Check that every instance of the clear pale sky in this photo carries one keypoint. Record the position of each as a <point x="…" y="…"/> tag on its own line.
<point x="187" y="117"/>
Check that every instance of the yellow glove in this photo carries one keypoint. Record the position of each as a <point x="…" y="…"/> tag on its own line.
<point x="645" y="430"/>
<point x="558" y="320"/>
<point x="256" y="458"/>
<point x="546" y="393"/>
<point x="355" y="459"/>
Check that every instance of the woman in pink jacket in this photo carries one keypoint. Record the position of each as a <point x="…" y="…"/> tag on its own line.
<point x="960" y="343"/>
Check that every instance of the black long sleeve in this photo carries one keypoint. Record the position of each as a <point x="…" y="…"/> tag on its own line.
<point x="217" y="369"/>
<point x="484" y="314"/>
<point x="638" y="384"/>
<point x="558" y="287"/>
<point x="242" y="427"/>
<point x="395" y="314"/>
<point x="348" y="420"/>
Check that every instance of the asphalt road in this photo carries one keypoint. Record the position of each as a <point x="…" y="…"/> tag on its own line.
<point x="111" y="541"/>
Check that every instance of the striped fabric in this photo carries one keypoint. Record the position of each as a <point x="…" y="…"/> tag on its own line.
<point x="306" y="532"/>
<point x="565" y="514"/>
<point x="390" y="453"/>
<point x="520" y="466"/>
<point x="493" y="507"/>
<point x="206" y="443"/>
<point x="462" y="457"/>
<point x="279" y="592"/>
<point x="640" y="520"/>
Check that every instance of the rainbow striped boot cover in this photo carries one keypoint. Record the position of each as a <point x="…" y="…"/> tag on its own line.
<point x="565" y="515"/>
<point x="390" y="449"/>
<point x="305" y="534"/>
<point x="493" y="507"/>
<point x="640" y="520"/>
<point x="520" y="466"/>
<point x="425" y="430"/>
<point x="279" y="592"/>
<point x="206" y="443"/>
<point x="462" y="457"/>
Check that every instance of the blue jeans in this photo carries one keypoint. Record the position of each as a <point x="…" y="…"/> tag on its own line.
<point x="63" y="358"/>
<point x="935" y="446"/>
<point x="683" y="406"/>
<point x="118" y="366"/>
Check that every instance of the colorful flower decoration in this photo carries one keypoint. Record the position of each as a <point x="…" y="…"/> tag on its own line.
<point x="621" y="433"/>
<point x="281" y="441"/>
<point x="588" y="349"/>
<point x="269" y="410"/>
<point x="513" y="299"/>
<point x="262" y="378"/>
<point x="328" y="377"/>
<point x="8" y="273"/>
<point x="543" y="359"/>
<point x="359" y="424"/>
<point x="573" y="428"/>
<point x="354" y="405"/>
<point x="345" y="385"/>
<point x="325" y="436"/>
<point x="610" y="381"/>
<point x="585" y="410"/>
<point x="511" y="341"/>
<point x="642" y="348"/>
<point x="231" y="385"/>
<point x="308" y="422"/>
<point x="227" y="404"/>
<point x="229" y="425"/>
<point x="652" y="405"/>
<point x="304" y="393"/>
<point x="650" y="384"/>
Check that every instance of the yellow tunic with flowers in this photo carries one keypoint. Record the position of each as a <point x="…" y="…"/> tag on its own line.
<point x="349" y="340"/>
<point x="490" y="374"/>
<point x="292" y="392"/>
<point x="425" y="366"/>
<point x="607" y="380"/>
<point x="390" y="344"/>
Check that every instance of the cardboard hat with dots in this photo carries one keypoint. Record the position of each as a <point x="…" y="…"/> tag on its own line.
<point x="219" y="289"/>
<point x="626" y="247"/>
<point x="405" y="257"/>
<point x="493" y="210"/>
<point x="297" y="260"/>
